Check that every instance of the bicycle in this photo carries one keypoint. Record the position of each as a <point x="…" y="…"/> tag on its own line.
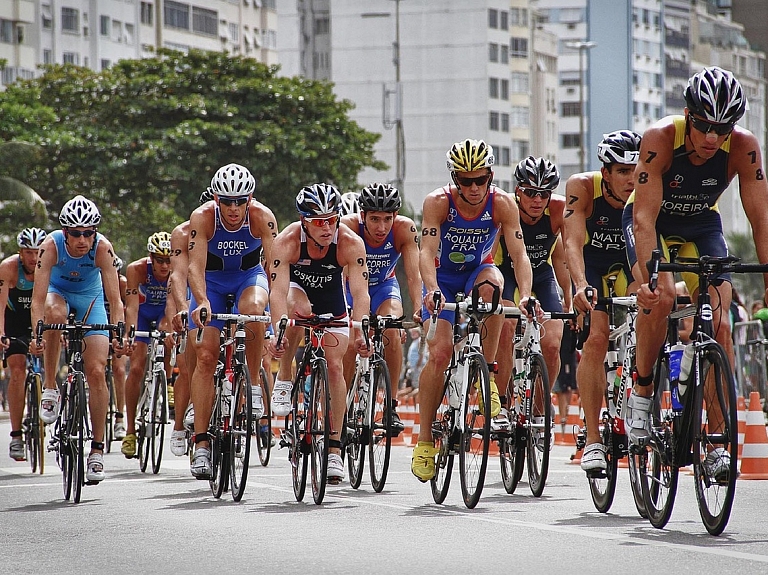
<point x="369" y="408"/>
<point x="112" y="410"/>
<point x="463" y="420"/>
<point x="231" y="423"/>
<point x="308" y="425"/>
<point x="151" y="411"/>
<point x="72" y="427"/>
<point x="32" y="426"/>
<point x="263" y="426"/>
<point x="531" y="433"/>
<point x="702" y="427"/>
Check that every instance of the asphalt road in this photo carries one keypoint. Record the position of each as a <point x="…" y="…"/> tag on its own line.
<point x="170" y="523"/>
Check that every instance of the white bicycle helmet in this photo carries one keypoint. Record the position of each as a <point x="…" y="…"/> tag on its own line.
<point x="79" y="212"/>
<point x="349" y="203"/>
<point x="30" y="238"/>
<point x="620" y="147"/>
<point x="233" y="180"/>
<point x="715" y="95"/>
<point x="318" y="200"/>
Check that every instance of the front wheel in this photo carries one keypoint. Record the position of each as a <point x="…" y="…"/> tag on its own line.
<point x="264" y="424"/>
<point x="602" y="484"/>
<point x="320" y="429"/>
<point x="240" y="432"/>
<point x="109" y="433"/>
<point x="219" y="439"/>
<point x="34" y="428"/>
<point x="715" y="443"/>
<point x="156" y="426"/>
<point x="357" y="432"/>
<point x="442" y="432"/>
<point x="78" y="437"/>
<point x="298" y="450"/>
<point x="540" y="426"/>
<point x="380" y="444"/>
<point x="476" y="432"/>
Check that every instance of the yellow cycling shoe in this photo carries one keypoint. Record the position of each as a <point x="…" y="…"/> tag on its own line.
<point x="495" y="401"/>
<point x="128" y="447"/>
<point x="423" y="461"/>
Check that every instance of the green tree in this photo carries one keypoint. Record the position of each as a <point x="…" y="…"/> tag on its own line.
<point x="143" y="138"/>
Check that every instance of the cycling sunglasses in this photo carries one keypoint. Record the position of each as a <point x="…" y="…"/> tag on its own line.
<point x="78" y="233"/>
<point x="706" y="127"/>
<point x="161" y="260"/>
<point x="467" y="182"/>
<point x="234" y="201"/>
<point x="533" y="192"/>
<point x="320" y="222"/>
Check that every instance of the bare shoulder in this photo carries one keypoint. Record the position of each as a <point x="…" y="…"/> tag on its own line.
<point x="351" y="221"/>
<point x="180" y="232"/>
<point x="8" y="267"/>
<point x="405" y="223"/>
<point x="745" y="142"/>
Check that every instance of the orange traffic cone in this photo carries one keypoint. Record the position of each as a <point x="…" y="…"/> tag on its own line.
<point x="742" y="413"/>
<point x="754" y="463"/>
<point x="572" y="422"/>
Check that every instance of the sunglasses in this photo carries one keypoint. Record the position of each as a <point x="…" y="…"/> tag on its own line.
<point x="467" y="182"/>
<point x="234" y="201"/>
<point x="78" y="233"/>
<point x="706" y="127"/>
<point x="161" y="260"/>
<point x="320" y="222"/>
<point x="533" y="192"/>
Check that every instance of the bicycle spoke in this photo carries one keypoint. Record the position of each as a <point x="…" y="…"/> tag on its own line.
<point x="380" y="444"/>
<point x="475" y="437"/>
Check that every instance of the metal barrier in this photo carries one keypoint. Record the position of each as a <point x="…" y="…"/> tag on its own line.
<point x="749" y="346"/>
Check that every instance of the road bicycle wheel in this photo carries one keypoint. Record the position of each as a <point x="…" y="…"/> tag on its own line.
<point x="476" y="434"/>
<point x="357" y="433"/>
<point x="157" y="419"/>
<point x="512" y="449"/>
<point x="263" y="426"/>
<point x="109" y="432"/>
<point x="602" y="483"/>
<point x="219" y="444"/>
<point x="540" y="424"/>
<point x="715" y="440"/>
<point x="142" y="426"/>
<point x="34" y="429"/>
<point x="63" y="431"/>
<point x="659" y="482"/>
<point x="443" y="434"/>
<point x="380" y="444"/>
<point x="320" y="428"/>
<point x="240" y="432"/>
<point x="79" y="432"/>
<point x="637" y="474"/>
<point x="298" y="451"/>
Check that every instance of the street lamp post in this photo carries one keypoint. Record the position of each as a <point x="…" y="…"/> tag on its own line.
<point x="581" y="46"/>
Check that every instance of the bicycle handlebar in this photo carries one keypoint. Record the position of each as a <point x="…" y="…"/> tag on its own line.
<point x="203" y="318"/>
<point x="436" y="298"/>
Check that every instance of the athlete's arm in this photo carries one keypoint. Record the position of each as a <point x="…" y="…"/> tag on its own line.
<point x="107" y="261"/>
<point x="506" y="213"/>
<point x="8" y="276"/>
<point x="46" y="259"/>
<point x="435" y="212"/>
<point x="351" y="255"/>
<point x="136" y="275"/>
<point x="264" y="226"/>
<point x="561" y="273"/>
<point x="407" y="244"/>
<point x="200" y="231"/>
<point x="578" y="205"/>
<point x="285" y="251"/>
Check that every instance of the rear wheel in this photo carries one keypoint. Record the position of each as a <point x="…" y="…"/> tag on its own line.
<point x="219" y="444"/>
<point x="540" y="425"/>
<point x="34" y="435"/>
<point x="602" y="484"/>
<point x="157" y="419"/>
<point x="240" y="432"/>
<point x="358" y="434"/>
<point x="442" y="432"/>
<point x="715" y="444"/>
<point x="264" y="424"/>
<point x="476" y="435"/>
<point x="320" y="426"/>
<point x="380" y="444"/>
<point x="109" y="434"/>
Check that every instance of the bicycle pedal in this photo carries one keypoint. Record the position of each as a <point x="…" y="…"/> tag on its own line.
<point x="333" y="480"/>
<point x="597" y="474"/>
<point x="92" y="482"/>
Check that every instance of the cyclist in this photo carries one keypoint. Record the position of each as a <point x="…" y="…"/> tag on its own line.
<point x="309" y="259"/>
<point x="350" y="203"/>
<point x="387" y="236"/>
<point x="119" y="364"/>
<point x="594" y="245"/>
<point x="541" y="219"/>
<point x="17" y="276"/>
<point x="177" y="303"/>
<point x="146" y="297"/>
<point x="226" y="240"/>
<point x="75" y="268"/>
<point x="459" y="231"/>
<point x="686" y="162"/>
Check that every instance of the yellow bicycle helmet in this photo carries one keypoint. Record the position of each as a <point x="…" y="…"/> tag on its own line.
<point x="159" y="244"/>
<point x="470" y="155"/>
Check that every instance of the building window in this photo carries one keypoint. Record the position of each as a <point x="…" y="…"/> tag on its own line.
<point x="493" y="88"/>
<point x="518" y="47"/>
<point x="503" y="20"/>
<point x="234" y="32"/>
<point x="323" y="25"/>
<point x="70" y="20"/>
<point x="570" y="78"/>
<point x="505" y="122"/>
<point x="70" y="58"/>
<point x="105" y="64"/>
<point x="504" y="89"/>
<point x="6" y="31"/>
<point x="46" y="17"/>
<point x="176" y="15"/>
<point x="504" y="54"/>
<point x="104" y="25"/>
<point x="117" y="31"/>
<point x="520" y="149"/>
<point x="571" y="140"/>
<point x="129" y="35"/>
<point x="519" y="82"/>
<point x="570" y="109"/>
<point x="147" y="13"/>
<point x="514" y="16"/>
<point x="493" y="18"/>
<point x="47" y="56"/>
<point x="205" y="21"/>
<point x="493" y="123"/>
<point x="520" y="117"/>
<point x="493" y="52"/>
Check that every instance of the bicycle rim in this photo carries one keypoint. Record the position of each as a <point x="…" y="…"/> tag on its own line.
<point x="357" y="434"/>
<point x="142" y="429"/>
<point x="80" y="412"/>
<point x="508" y="452"/>
<point x="637" y="466"/>
<point x="297" y="455"/>
<point x="110" y="423"/>
<point x="715" y="443"/>
<point x="320" y="425"/>
<point x="380" y="445"/>
<point x="264" y="425"/>
<point x="442" y="432"/>
<point x="64" y="448"/>
<point x="34" y="429"/>
<point x="602" y="487"/>
<point x="219" y="451"/>
<point x="157" y="420"/>
<point x="540" y="425"/>
<point x="240" y="432"/>
<point x="476" y="435"/>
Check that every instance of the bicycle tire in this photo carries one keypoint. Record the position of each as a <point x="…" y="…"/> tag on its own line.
<point x="109" y="433"/>
<point x="512" y="449"/>
<point x="602" y="486"/>
<point x="476" y="434"/>
<point x="157" y="419"/>
<point x="142" y="427"/>
<point x="240" y="432"/>
<point x="320" y="429"/>
<point x="298" y="454"/>
<point x="539" y="440"/>
<point x="34" y="428"/>
<point x="64" y="446"/>
<point x="715" y="431"/>
<point x="660" y="477"/>
<point x="380" y="443"/>
<point x="443" y="432"/>
<point x="263" y="426"/>
<point x="80" y="412"/>
<point x="357" y="434"/>
<point x="219" y="447"/>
